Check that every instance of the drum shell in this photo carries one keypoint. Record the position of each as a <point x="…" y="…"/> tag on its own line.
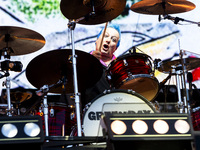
<point x="115" y="101"/>
<point x="60" y="119"/>
<point x="133" y="71"/>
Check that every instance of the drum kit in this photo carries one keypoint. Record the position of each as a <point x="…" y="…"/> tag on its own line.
<point x="131" y="76"/>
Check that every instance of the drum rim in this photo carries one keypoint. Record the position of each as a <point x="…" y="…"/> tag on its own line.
<point x="139" y="75"/>
<point x="128" y="55"/>
<point x="117" y="91"/>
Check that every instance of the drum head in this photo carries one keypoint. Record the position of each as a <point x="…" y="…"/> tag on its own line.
<point x="144" y="84"/>
<point x="116" y="101"/>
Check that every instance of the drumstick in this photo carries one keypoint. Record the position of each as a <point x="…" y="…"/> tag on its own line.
<point x="104" y="31"/>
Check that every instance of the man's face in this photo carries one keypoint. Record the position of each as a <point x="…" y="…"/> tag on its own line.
<point x="109" y="44"/>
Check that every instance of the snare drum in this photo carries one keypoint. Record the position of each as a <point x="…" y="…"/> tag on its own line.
<point x="115" y="101"/>
<point x="133" y="71"/>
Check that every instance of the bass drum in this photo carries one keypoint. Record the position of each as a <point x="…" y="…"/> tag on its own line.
<point x="115" y="101"/>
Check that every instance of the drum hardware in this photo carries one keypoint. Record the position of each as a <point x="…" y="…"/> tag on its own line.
<point x="43" y="92"/>
<point x="6" y="66"/>
<point x="179" y="68"/>
<point x="162" y="7"/>
<point x="177" y="19"/>
<point x="15" y="41"/>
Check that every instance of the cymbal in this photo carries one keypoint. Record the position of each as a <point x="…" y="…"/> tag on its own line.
<point x="190" y="63"/>
<point x="21" y="40"/>
<point x="162" y="7"/>
<point x="18" y="96"/>
<point x="48" y="68"/>
<point x="105" y="10"/>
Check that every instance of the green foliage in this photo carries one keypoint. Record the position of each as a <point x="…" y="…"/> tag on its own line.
<point x="34" y="8"/>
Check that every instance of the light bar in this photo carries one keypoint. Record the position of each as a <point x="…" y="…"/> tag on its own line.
<point x="21" y="129"/>
<point x="154" y="129"/>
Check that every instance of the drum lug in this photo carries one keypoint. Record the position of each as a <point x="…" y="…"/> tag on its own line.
<point x="125" y="62"/>
<point x="130" y="74"/>
<point x="131" y="91"/>
<point x="109" y="77"/>
<point x="106" y="92"/>
<point x="51" y="112"/>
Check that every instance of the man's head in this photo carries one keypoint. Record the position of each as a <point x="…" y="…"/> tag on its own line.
<point x="111" y="40"/>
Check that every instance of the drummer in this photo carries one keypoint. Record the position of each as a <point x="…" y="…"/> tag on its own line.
<point x="110" y="43"/>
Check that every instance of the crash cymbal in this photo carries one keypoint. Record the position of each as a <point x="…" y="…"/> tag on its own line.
<point x="48" y="68"/>
<point x="20" y="40"/>
<point x="190" y="63"/>
<point x="162" y="7"/>
<point x="105" y="10"/>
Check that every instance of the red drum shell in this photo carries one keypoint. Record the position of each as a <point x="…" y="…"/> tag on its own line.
<point x="195" y="116"/>
<point x="133" y="71"/>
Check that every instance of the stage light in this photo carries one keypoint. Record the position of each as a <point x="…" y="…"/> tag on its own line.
<point x="118" y="127"/>
<point x="149" y="131"/>
<point x="32" y="129"/>
<point x="21" y="129"/>
<point x="182" y="126"/>
<point x="140" y="127"/>
<point x="9" y="130"/>
<point x="161" y="126"/>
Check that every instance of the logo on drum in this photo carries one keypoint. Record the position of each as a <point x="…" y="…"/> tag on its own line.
<point x="118" y="99"/>
<point x="97" y="115"/>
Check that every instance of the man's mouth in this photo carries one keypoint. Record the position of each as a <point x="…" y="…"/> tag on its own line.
<point x="105" y="47"/>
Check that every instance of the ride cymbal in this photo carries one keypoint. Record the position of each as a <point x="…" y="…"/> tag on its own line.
<point x="50" y="67"/>
<point x="105" y="10"/>
<point x="19" y="40"/>
<point x="162" y="7"/>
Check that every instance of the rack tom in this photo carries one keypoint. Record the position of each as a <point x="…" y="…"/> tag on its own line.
<point x="133" y="71"/>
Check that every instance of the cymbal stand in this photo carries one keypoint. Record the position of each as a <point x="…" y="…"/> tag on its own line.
<point x="177" y="73"/>
<point x="7" y="82"/>
<point x="177" y="19"/>
<point x="72" y="25"/>
<point x="185" y="91"/>
<point x="43" y="92"/>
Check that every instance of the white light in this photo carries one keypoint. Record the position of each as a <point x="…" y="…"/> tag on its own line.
<point x="182" y="126"/>
<point x="161" y="126"/>
<point x="139" y="127"/>
<point x="31" y="129"/>
<point x="118" y="127"/>
<point x="9" y="130"/>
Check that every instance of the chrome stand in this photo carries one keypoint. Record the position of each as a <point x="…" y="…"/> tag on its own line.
<point x="72" y="25"/>
<point x="46" y="113"/>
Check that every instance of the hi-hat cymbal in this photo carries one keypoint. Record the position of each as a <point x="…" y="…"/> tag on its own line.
<point x="190" y="63"/>
<point x="105" y="10"/>
<point x="162" y="7"/>
<point x="48" y="68"/>
<point x="21" y="40"/>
